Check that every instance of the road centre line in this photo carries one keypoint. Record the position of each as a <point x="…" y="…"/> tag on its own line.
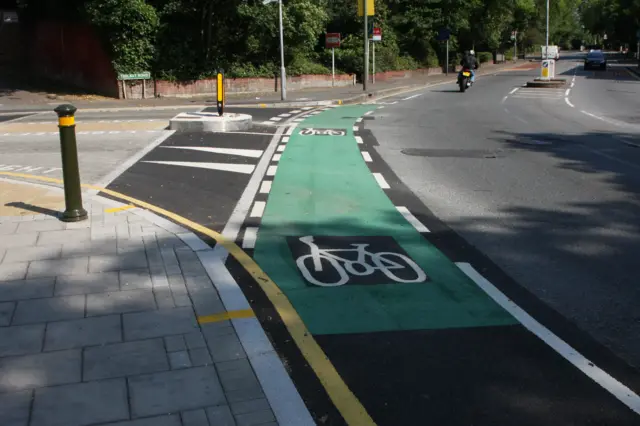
<point x="613" y="386"/>
<point x="412" y="97"/>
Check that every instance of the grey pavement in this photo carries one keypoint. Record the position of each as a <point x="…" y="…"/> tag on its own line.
<point x="100" y="153"/>
<point x="547" y="192"/>
<point x="98" y="325"/>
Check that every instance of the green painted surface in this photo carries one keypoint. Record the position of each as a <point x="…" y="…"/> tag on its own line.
<point x="324" y="187"/>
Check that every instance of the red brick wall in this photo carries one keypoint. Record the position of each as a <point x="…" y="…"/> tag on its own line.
<point x="241" y="85"/>
<point x="74" y="55"/>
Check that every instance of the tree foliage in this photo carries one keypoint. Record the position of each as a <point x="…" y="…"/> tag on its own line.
<point x="188" y="39"/>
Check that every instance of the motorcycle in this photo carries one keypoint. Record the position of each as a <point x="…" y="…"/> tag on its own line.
<point x="464" y="79"/>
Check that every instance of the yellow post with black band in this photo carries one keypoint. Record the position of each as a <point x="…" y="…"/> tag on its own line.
<point x="70" y="170"/>
<point x="220" y="92"/>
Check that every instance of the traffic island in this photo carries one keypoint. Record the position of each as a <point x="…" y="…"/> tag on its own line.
<point x="549" y="83"/>
<point x="210" y="122"/>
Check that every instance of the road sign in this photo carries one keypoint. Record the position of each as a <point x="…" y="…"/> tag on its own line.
<point x="332" y="40"/>
<point x="370" y="8"/>
<point x="444" y="34"/>
<point x="146" y="75"/>
<point x="377" y="34"/>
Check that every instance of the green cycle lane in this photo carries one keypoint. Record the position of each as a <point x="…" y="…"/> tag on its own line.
<point x="414" y="338"/>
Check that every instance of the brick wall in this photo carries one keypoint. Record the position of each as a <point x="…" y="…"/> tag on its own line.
<point x="73" y="55"/>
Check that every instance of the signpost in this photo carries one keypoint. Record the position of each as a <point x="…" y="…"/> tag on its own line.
<point x="376" y="35"/>
<point x="144" y="75"/>
<point x="366" y="8"/>
<point x="332" y="40"/>
<point x="444" y="35"/>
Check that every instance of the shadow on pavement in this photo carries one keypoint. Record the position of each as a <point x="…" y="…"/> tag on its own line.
<point x="34" y="208"/>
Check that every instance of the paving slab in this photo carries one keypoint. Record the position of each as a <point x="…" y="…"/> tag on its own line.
<point x="98" y="326"/>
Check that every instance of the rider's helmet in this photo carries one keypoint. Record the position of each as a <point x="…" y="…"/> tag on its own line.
<point x="472" y="52"/>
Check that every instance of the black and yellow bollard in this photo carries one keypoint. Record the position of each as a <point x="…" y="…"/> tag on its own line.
<point x="220" y="92"/>
<point x="70" y="169"/>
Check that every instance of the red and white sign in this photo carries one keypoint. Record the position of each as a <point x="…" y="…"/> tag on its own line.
<point x="377" y="34"/>
<point x="332" y="40"/>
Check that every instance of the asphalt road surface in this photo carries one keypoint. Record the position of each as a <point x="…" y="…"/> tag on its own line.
<point x="544" y="182"/>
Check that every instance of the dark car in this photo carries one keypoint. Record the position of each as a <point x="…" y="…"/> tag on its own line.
<point x="595" y="59"/>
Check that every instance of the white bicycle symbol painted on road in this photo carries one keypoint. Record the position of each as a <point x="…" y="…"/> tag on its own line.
<point x="366" y="263"/>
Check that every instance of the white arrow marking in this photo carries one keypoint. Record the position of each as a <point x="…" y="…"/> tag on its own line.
<point x="246" y="169"/>
<point x="253" y="153"/>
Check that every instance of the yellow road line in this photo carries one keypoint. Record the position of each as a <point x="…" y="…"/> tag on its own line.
<point x="244" y="313"/>
<point x="345" y="401"/>
<point x="120" y="209"/>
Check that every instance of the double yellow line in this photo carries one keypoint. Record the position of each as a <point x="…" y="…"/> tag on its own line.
<point x="345" y="401"/>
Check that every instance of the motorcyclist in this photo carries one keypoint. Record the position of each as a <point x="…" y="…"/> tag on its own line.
<point x="470" y="62"/>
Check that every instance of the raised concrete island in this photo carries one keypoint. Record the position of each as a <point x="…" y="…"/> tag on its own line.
<point x="210" y="122"/>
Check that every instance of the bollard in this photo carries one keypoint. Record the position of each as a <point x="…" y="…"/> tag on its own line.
<point x="220" y="92"/>
<point x="70" y="170"/>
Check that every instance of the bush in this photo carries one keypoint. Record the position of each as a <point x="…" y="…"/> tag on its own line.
<point x="130" y="27"/>
<point x="508" y="56"/>
<point x="484" y="57"/>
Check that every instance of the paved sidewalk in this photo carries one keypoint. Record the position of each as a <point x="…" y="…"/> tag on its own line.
<point x="99" y="322"/>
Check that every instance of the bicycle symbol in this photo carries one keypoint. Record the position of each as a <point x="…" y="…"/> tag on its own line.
<point x="310" y="131"/>
<point x="338" y="270"/>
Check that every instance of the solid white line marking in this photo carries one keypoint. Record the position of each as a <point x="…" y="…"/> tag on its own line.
<point x="591" y="115"/>
<point x="569" y="102"/>
<point x="367" y="157"/>
<point x="617" y="389"/>
<point x="411" y="97"/>
<point x="567" y="92"/>
<point x="381" y="181"/>
<point x="251" y="153"/>
<point x="355" y="128"/>
<point x="281" y="148"/>
<point x="246" y="169"/>
<point x="359" y="139"/>
<point x="276" y="157"/>
<point x="250" y="236"/>
<point x="271" y="171"/>
<point x="258" y="209"/>
<point x="265" y="188"/>
<point x="514" y="91"/>
<point x="285" y="139"/>
<point x="412" y="219"/>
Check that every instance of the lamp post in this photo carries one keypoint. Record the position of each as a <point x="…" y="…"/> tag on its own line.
<point x="546" y="53"/>
<point x="283" y="72"/>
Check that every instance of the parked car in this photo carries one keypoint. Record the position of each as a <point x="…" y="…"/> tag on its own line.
<point x="595" y="59"/>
